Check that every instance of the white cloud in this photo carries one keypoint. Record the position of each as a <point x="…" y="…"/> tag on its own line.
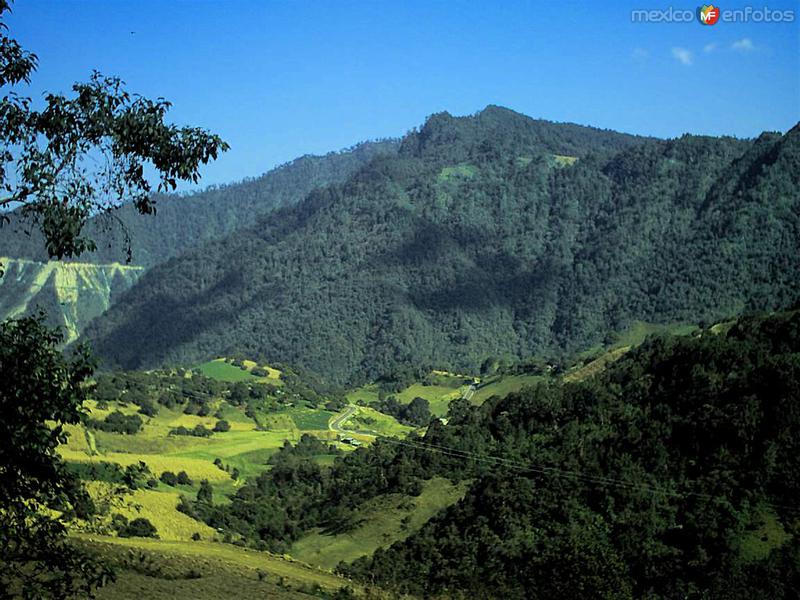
<point x="640" y="54"/>
<point x="743" y="45"/>
<point x="710" y="47"/>
<point x="683" y="56"/>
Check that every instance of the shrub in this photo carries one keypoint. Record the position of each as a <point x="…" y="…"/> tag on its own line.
<point x="139" y="527"/>
<point x="118" y="422"/>
<point x="169" y="478"/>
<point x="222" y="426"/>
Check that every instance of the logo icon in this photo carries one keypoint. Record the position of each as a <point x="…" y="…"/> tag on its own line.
<point x="708" y="14"/>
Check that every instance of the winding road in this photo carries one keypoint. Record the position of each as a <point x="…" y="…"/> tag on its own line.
<point x="337" y="422"/>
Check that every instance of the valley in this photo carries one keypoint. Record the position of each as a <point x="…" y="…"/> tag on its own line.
<point x="292" y="307"/>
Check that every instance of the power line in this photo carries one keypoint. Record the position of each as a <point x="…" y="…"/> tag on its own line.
<point x="549" y="470"/>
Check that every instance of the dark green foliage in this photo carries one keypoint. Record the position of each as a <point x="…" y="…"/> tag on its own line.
<point x="50" y="175"/>
<point x="117" y="422"/>
<point x="169" y="478"/>
<point x="197" y="431"/>
<point x="39" y="385"/>
<point x="473" y="240"/>
<point x="139" y="527"/>
<point x="147" y="407"/>
<point x="97" y="471"/>
<point x="183" y="221"/>
<point x="416" y="413"/>
<point x="136" y="475"/>
<point x="642" y="482"/>
<point x="222" y="426"/>
<point x="205" y="494"/>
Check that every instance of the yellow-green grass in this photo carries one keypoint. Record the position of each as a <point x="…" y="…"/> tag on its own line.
<point x="160" y="508"/>
<point x="504" y="385"/>
<point x="308" y="419"/>
<point x="220" y="583"/>
<point x="176" y="557"/>
<point x="157" y="463"/>
<point x="366" y="419"/>
<point x="366" y="393"/>
<point x="227" y="445"/>
<point x="597" y="365"/>
<point x="464" y="171"/>
<point x="633" y="336"/>
<point x="767" y="535"/>
<point x="447" y="388"/>
<point x="273" y="374"/>
<point x="381" y="525"/>
<point x="636" y="333"/>
<point x="101" y="413"/>
<point x="564" y="161"/>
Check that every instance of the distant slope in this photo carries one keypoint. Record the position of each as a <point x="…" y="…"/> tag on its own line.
<point x="71" y="293"/>
<point x="474" y="241"/>
<point x="184" y="221"/>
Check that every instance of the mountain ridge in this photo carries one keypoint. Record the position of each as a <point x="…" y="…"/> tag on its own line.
<point x="474" y="240"/>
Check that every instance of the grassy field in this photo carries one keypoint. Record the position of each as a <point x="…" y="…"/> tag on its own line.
<point x="384" y="520"/>
<point x="243" y="448"/>
<point x="308" y="419"/>
<point x="444" y="389"/>
<point x="597" y="365"/>
<point x="503" y="385"/>
<point x="369" y="420"/>
<point x="623" y="342"/>
<point x="462" y="171"/>
<point x="199" y="570"/>
<point x="765" y="536"/>
<point x="222" y="371"/>
<point x="639" y="330"/>
<point x="564" y="161"/>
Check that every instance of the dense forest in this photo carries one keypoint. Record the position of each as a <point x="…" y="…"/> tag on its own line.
<point x="673" y="474"/>
<point x="184" y="221"/>
<point x="490" y="235"/>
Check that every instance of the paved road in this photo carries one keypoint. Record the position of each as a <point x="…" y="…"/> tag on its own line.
<point x="469" y="393"/>
<point x="337" y="423"/>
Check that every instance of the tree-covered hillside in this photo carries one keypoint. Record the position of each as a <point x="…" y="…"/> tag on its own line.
<point x="673" y="474"/>
<point x="184" y="221"/>
<point x="494" y="234"/>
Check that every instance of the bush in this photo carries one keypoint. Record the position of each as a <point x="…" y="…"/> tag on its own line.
<point x="118" y="422"/>
<point x="184" y="479"/>
<point x="198" y="431"/>
<point x="222" y="426"/>
<point x="148" y="408"/>
<point x="169" y="478"/>
<point x="139" y="527"/>
<point x="196" y="537"/>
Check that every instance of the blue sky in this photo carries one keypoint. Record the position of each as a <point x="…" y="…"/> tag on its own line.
<point x="281" y="79"/>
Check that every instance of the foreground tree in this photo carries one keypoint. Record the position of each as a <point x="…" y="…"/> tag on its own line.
<point x="84" y="155"/>
<point x="74" y="158"/>
<point x="38" y="386"/>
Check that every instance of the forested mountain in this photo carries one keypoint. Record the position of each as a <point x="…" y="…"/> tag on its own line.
<point x="674" y="474"/>
<point x="494" y="234"/>
<point x="184" y="221"/>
